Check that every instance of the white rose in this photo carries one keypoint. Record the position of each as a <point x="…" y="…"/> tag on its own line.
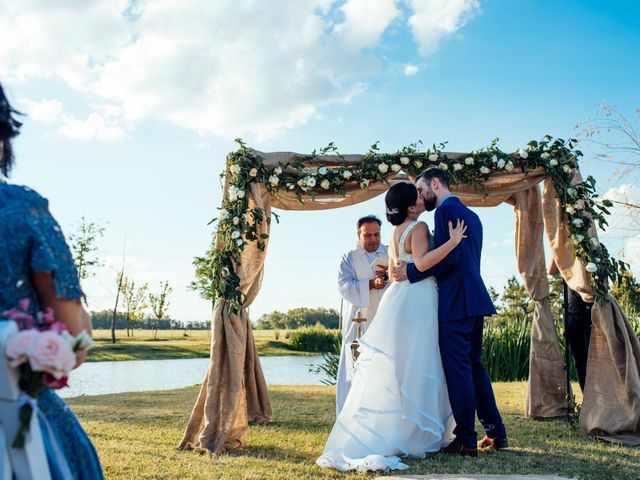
<point x="233" y="194"/>
<point x="469" y="161"/>
<point x="236" y="220"/>
<point x="591" y="267"/>
<point x="494" y="158"/>
<point x="311" y="182"/>
<point x="322" y="170"/>
<point x="594" y="241"/>
<point x="572" y="192"/>
<point x="300" y="182"/>
<point x="235" y="168"/>
<point x="418" y="163"/>
<point x="240" y="193"/>
<point x="569" y="209"/>
<point x="235" y="234"/>
<point x="578" y="238"/>
<point x="404" y="160"/>
<point x="347" y="174"/>
<point x="577" y="222"/>
<point x="364" y="183"/>
<point x="291" y="186"/>
<point x="239" y="242"/>
<point x="544" y="156"/>
<point x="444" y="166"/>
<point x="553" y="162"/>
<point x="501" y="163"/>
<point x="523" y="153"/>
<point x="383" y="168"/>
<point x="277" y="170"/>
<point x="509" y="166"/>
<point x="224" y="214"/>
<point x="566" y="169"/>
<point x="325" y="184"/>
<point x="253" y="172"/>
<point x="433" y="157"/>
<point x="395" y="167"/>
<point x="274" y="180"/>
<point x="484" y="170"/>
<point x="456" y="167"/>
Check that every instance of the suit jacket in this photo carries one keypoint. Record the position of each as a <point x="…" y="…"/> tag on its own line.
<point x="461" y="291"/>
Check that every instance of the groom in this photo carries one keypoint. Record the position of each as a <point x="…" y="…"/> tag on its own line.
<point x="463" y="302"/>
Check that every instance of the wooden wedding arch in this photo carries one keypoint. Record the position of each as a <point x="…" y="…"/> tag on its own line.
<point x="234" y="392"/>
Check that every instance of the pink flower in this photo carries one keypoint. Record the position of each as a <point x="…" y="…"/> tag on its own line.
<point x="58" y="327"/>
<point x="24" y="304"/>
<point x="52" y="382"/>
<point x="17" y="347"/>
<point x="48" y="317"/>
<point x="51" y="353"/>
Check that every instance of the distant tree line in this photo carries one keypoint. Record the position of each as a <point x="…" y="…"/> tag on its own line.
<point x="298" y="318"/>
<point x="102" y="320"/>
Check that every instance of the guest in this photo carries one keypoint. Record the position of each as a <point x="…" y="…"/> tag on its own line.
<point x="577" y="324"/>
<point x="36" y="263"/>
<point x="361" y="284"/>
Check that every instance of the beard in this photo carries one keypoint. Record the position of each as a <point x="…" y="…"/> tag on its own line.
<point x="430" y="202"/>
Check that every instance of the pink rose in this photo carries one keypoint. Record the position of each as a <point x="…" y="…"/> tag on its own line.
<point x="51" y="353"/>
<point x="18" y="346"/>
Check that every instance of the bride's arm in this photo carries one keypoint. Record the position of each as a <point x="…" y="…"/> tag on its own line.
<point x="425" y="259"/>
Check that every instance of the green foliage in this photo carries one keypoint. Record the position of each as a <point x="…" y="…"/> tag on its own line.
<point x="329" y="365"/>
<point x="314" y="339"/>
<point x="83" y="242"/>
<point x="102" y="320"/>
<point x="505" y="349"/>
<point x="298" y="318"/>
<point x="627" y="292"/>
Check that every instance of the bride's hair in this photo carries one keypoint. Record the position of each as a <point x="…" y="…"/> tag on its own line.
<point x="399" y="198"/>
<point x="9" y="128"/>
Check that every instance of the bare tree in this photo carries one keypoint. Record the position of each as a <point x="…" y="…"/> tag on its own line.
<point x="134" y="301"/>
<point x="84" y="241"/>
<point x="119" y="280"/>
<point x="160" y="303"/>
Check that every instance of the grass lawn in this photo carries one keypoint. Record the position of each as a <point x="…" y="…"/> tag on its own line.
<point x="174" y="344"/>
<point x="136" y="435"/>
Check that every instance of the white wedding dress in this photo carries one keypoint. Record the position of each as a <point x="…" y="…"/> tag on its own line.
<point x="398" y="403"/>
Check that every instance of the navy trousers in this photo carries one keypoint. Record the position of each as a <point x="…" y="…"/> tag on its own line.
<point x="468" y="383"/>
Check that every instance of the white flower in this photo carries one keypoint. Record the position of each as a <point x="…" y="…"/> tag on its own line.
<point x="509" y="166"/>
<point x="501" y="163"/>
<point x="578" y="238"/>
<point x="277" y="170"/>
<point x="383" y="168"/>
<point x="572" y="192"/>
<point x="494" y="158"/>
<point x="456" y="167"/>
<point x="223" y="214"/>
<point x="395" y="167"/>
<point x="591" y="267"/>
<point x="240" y="193"/>
<point x="569" y="209"/>
<point x="235" y="168"/>
<point x="418" y="163"/>
<point x="523" y="153"/>
<point x="444" y="166"/>
<point x="322" y="170"/>
<point x="291" y="186"/>
<point x="325" y="184"/>
<point x="364" y="183"/>
<point x="274" y="180"/>
<point x="311" y="182"/>
<point x="484" y="170"/>
<point x="469" y="161"/>
<point x="553" y="162"/>
<point x="235" y="234"/>
<point x="545" y="155"/>
<point x="577" y="222"/>
<point x="233" y="194"/>
<point x="239" y="242"/>
<point x="253" y="172"/>
<point x="433" y="157"/>
<point x="594" y="241"/>
<point x="236" y="220"/>
<point x="300" y="182"/>
<point x="347" y="174"/>
<point x="404" y="160"/>
<point x="566" y="169"/>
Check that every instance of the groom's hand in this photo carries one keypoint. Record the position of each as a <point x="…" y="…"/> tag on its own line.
<point x="399" y="272"/>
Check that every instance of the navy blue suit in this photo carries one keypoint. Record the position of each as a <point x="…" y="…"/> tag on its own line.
<point x="463" y="301"/>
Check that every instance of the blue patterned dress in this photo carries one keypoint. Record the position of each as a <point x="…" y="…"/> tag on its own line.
<point x="32" y="241"/>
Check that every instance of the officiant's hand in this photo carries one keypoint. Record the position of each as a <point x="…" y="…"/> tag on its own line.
<point x="377" y="283"/>
<point x="399" y="271"/>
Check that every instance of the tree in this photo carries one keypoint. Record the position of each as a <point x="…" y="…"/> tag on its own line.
<point x="299" y="317"/>
<point x="84" y="246"/>
<point x="134" y="299"/>
<point x="515" y="299"/>
<point x="627" y="292"/>
<point x="160" y="303"/>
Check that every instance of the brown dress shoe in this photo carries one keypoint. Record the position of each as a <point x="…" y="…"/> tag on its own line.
<point x="492" y="443"/>
<point x="455" y="447"/>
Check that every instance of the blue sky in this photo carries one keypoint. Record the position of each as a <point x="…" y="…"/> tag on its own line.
<point x="132" y="107"/>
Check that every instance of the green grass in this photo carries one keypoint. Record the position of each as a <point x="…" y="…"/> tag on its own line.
<point x="136" y="435"/>
<point x="172" y="344"/>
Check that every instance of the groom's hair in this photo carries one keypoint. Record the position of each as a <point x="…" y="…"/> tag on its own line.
<point x="369" y="219"/>
<point x="434" y="172"/>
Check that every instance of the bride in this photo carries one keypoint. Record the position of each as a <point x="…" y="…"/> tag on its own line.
<point x="398" y="403"/>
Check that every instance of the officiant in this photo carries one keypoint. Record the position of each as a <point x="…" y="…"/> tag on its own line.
<point x="361" y="281"/>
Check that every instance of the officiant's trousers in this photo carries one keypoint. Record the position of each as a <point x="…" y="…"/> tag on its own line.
<point x="468" y="383"/>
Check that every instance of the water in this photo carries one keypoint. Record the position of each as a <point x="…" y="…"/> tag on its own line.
<point x="100" y="378"/>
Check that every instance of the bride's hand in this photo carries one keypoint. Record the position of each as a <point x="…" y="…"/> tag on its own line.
<point x="457" y="233"/>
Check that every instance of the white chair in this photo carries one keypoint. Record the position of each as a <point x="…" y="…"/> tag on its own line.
<point x="30" y="462"/>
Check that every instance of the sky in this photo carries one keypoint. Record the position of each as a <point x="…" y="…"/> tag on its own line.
<point x="131" y="107"/>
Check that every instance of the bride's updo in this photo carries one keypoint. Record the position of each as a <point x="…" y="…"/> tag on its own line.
<point x="399" y="198"/>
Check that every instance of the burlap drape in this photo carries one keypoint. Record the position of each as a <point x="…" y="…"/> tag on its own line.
<point x="234" y="392"/>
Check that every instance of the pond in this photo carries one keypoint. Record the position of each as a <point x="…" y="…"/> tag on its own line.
<point x="100" y="378"/>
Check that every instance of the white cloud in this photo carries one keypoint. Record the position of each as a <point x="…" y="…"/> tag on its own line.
<point x="45" y="111"/>
<point x="623" y="232"/>
<point x="230" y="67"/>
<point x="410" y="69"/>
<point x="433" y="20"/>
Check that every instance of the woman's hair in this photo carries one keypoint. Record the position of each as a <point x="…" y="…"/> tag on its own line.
<point x="399" y="198"/>
<point x="9" y="128"/>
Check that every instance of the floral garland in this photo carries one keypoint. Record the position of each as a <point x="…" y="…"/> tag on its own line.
<point x="238" y="224"/>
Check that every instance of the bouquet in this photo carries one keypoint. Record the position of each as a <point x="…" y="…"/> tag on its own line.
<point x="43" y="351"/>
